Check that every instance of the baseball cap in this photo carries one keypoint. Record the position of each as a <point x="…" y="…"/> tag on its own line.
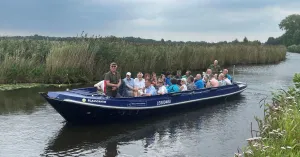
<point x="128" y="73"/>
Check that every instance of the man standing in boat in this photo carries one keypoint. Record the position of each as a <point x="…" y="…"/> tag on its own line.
<point x="215" y="68"/>
<point x="113" y="81"/>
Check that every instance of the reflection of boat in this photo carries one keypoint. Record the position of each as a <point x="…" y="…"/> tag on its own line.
<point x="85" y="105"/>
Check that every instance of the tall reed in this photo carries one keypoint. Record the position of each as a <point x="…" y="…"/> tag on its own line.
<point x="87" y="59"/>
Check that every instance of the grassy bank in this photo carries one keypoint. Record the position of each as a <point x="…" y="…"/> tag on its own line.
<point x="294" y="48"/>
<point x="279" y="130"/>
<point x="87" y="59"/>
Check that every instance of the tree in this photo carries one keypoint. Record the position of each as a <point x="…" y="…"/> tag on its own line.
<point x="291" y="26"/>
<point x="245" y="40"/>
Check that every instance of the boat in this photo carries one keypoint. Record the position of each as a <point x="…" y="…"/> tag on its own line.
<point x="86" y="105"/>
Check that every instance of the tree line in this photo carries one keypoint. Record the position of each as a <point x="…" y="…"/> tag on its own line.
<point x="291" y="27"/>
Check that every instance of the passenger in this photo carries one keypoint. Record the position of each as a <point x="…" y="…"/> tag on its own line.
<point x="178" y="74"/>
<point x="199" y="83"/>
<point x="161" y="87"/>
<point x="198" y="77"/>
<point x="147" y="76"/>
<point x="205" y="80"/>
<point x="215" y="67"/>
<point x="225" y="72"/>
<point x="208" y="72"/>
<point x="212" y="82"/>
<point x="173" y="87"/>
<point x="221" y="80"/>
<point x="139" y="84"/>
<point x="187" y="74"/>
<point x="228" y="82"/>
<point x="183" y="86"/>
<point x="129" y="85"/>
<point x="149" y="89"/>
<point x="101" y="86"/>
<point x="168" y="79"/>
<point x="190" y="83"/>
<point x="163" y="77"/>
<point x="112" y="81"/>
<point x="154" y="79"/>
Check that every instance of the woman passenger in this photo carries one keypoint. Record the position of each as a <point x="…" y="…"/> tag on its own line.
<point x="183" y="86"/>
<point x="161" y="87"/>
<point x="139" y="84"/>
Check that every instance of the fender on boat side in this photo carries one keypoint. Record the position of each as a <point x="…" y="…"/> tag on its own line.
<point x="150" y="107"/>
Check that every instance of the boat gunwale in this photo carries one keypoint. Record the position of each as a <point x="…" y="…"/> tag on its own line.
<point x="147" y="107"/>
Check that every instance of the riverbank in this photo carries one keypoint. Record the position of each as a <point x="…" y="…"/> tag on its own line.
<point x="87" y="59"/>
<point x="279" y="130"/>
<point x="7" y="87"/>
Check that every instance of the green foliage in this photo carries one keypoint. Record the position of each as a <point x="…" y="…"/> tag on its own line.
<point x="294" y="48"/>
<point x="279" y="129"/>
<point x="86" y="59"/>
<point x="291" y="26"/>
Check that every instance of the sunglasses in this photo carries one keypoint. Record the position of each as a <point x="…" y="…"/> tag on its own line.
<point x="113" y="66"/>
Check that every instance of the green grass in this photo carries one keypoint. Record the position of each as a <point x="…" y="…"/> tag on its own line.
<point x="87" y="59"/>
<point x="280" y="128"/>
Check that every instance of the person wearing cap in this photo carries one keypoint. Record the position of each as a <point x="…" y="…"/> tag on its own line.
<point x="113" y="81"/>
<point x="129" y="85"/>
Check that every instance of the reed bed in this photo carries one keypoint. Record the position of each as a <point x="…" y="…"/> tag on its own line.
<point x="87" y="59"/>
<point x="279" y="130"/>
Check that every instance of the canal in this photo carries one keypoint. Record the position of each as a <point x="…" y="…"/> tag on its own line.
<point x="30" y="127"/>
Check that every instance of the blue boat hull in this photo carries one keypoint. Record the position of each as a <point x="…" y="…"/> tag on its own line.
<point x="85" y="110"/>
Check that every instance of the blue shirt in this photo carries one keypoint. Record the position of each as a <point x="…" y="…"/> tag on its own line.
<point x="229" y="77"/>
<point x="168" y="81"/>
<point x="150" y="90"/>
<point x="173" y="88"/>
<point x="128" y="83"/>
<point x="199" y="84"/>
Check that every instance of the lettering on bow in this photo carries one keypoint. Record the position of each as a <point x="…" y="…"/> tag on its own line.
<point x="96" y="101"/>
<point x="163" y="102"/>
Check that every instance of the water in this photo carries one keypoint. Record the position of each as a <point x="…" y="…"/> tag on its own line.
<point x="30" y="127"/>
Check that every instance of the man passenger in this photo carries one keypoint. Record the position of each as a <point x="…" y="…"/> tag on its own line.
<point x="149" y="89"/>
<point x="225" y="72"/>
<point x="129" y="85"/>
<point x="215" y="67"/>
<point x="212" y="82"/>
<point x="190" y="83"/>
<point x="199" y="83"/>
<point x="187" y="74"/>
<point x="113" y="81"/>
<point x="174" y="87"/>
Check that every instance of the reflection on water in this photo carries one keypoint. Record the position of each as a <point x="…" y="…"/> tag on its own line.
<point x="30" y="127"/>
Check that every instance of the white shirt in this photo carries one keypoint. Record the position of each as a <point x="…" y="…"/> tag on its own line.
<point x="228" y="82"/>
<point x="138" y="83"/>
<point x="100" y="84"/>
<point x="184" y="87"/>
<point x="162" y="90"/>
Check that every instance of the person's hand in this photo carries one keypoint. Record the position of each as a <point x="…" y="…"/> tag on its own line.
<point x="114" y="88"/>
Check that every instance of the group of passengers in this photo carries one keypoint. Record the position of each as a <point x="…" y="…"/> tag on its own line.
<point x="148" y="85"/>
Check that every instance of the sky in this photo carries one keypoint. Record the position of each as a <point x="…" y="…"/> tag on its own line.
<point x="176" y="20"/>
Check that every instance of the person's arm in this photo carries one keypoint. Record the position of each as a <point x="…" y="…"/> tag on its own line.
<point x="119" y="84"/>
<point x="107" y="80"/>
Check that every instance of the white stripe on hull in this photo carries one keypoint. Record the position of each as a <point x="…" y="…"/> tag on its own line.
<point x="150" y="107"/>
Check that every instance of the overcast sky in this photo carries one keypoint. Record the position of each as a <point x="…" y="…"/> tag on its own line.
<point x="194" y="20"/>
